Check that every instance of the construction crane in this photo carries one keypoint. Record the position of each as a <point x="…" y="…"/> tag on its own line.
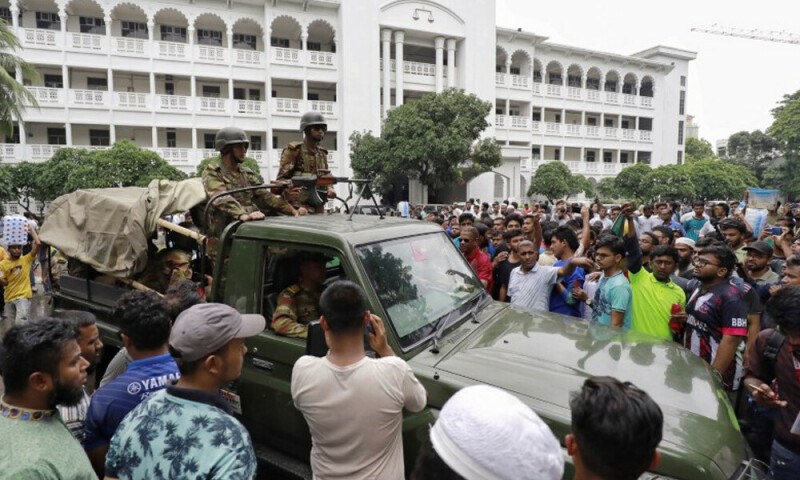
<point x="753" y="34"/>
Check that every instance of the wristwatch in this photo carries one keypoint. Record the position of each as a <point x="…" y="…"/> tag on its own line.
<point x="590" y="302"/>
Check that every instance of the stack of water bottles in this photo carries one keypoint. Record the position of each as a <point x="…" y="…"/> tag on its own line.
<point x="15" y="230"/>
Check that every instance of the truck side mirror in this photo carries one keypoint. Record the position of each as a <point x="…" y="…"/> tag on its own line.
<point x="315" y="341"/>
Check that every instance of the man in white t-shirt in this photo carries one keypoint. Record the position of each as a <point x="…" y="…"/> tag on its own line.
<point x="353" y="403"/>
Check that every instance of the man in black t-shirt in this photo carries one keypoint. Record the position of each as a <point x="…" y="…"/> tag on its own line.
<point x="505" y="262"/>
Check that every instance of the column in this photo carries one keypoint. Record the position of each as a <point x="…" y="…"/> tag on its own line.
<point x="438" y="44"/>
<point x="150" y="26"/>
<point x="154" y="137"/>
<point x="15" y="23"/>
<point x="451" y="62"/>
<point x="190" y="32"/>
<point x="399" y="36"/>
<point x="231" y="58"/>
<point x="304" y="104"/>
<point x="386" y="46"/>
<point x="194" y="139"/>
<point x="231" y="108"/>
<point x="193" y="87"/>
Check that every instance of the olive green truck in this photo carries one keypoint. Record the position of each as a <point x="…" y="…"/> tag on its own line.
<point x="452" y="334"/>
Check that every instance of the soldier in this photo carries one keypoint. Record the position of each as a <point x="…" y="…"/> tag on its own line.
<point x="299" y="303"/>
<point x="307" y="157"/>
<point x="228" y="173"/>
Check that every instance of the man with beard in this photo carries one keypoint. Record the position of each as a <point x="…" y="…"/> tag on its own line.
<point x="144" y="321"/>
<point x="43" y="367"/>
<point x="685" y="248"/>
<point x="647" y="241"/>
<point x="757" y="262"/>
<point x="89" y="341"/>
<point x="735" y="234"/>
<point x="505" y="262"/>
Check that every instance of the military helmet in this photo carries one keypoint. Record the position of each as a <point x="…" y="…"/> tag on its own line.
<point x="312" y="118"/>
<point x="229" y="136"/>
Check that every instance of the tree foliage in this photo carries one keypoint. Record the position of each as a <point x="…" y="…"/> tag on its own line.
<point x="632" y="183"/>
<point x="553" y="180"/>
<point x="70" y="169"/>
<point x="784" y="174"/>
<point x="754" y="151"/>
<point x="607" y="188"/>
<point x="249" y="162"/>
<point x="670" y="181"/>
<point x="715" y="180"/>
<point x="13" y="96"/>
<point x="433" y="139"/>
<point x="698" y="149"/>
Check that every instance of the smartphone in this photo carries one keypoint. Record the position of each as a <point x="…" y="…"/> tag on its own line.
<point x="776" y="231"/>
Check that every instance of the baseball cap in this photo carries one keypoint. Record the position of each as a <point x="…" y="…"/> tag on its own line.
<point x="466" y="432"/>
<point x="205" y="328"/>
<point x="760" y="246"/>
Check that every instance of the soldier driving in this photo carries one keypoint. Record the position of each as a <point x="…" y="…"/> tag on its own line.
<point x="298" y="304"/>
<point x="307" y="158"/>
<point x="227" y="173"/>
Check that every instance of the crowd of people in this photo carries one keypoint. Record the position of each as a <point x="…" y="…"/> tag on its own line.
<point x="694" y="273"/>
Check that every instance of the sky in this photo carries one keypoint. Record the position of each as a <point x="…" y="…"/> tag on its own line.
<point x="733" y="84"/>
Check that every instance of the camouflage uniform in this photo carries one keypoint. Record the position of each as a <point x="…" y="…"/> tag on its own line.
<point x="217" y="179"/>
<point x="297" y="307"/>
<point x="298" y="159"/>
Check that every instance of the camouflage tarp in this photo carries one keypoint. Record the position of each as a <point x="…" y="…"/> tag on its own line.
<point x="108" y="228"/>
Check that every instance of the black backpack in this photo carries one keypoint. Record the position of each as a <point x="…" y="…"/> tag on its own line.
<point x="774" y="344"/>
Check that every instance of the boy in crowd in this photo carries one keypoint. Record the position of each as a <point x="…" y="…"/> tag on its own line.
<point x="15" y="275"/>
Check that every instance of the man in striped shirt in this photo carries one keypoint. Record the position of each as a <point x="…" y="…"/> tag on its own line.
<point x="530" y="284"/>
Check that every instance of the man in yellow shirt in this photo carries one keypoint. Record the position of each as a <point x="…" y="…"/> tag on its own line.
<point x="15" y="278"/>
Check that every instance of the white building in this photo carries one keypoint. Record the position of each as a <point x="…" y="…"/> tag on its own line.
<point x="168" y="74"/>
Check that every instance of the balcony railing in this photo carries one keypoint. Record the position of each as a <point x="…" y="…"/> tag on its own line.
<point x="592" y="131"/>
<point x="573" y="130"/>
<point x="286" y="105"/>
<point x="176" y="155"/>
<point x="537" y="88"/>
<point x="206" y="53"/>
<point x="645" y="136"/>
<point x="40" y="153"/>
<point x="520" y="81"/>
<point x="612" y="97"/>
<point x="211" y="104"/>
<point x="132" y="46"/>
<point x="610" y="167"/>
<point x="574" y="92"/>
<point x="628" y="134"/>
<point x="552" y="128"/>
<point x="46" y="95"/>
<point x="40" y="37"/>
<point x="419" y="68"/>
<point x="132" y="100"/>
<point x="610" y="132"/>
<point x="327" y="109"/>
<point x="536" y="127"/>
<point x="593" y="95"/>
<point x="173" y="102"/>
<point x="87" y="41"/>
<point x="95" y="98"/>
<point x="500" y="120"/>
<point x="248" y="57"/>
<point x="646" y="101"/>
<point x="8" y="151"/>
<point x="321" y="58"/>
<point x="520" y="122"/>
<point x="500" y="79"/>
<point x="172" y="49"/>
<point x="286" y="55"/>
<point x="628" y="99"/>
<point x="250" y="107"/>
<point x="553" y="90"/>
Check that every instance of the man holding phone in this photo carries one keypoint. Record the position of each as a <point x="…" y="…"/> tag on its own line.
<point x="783" y="371"/>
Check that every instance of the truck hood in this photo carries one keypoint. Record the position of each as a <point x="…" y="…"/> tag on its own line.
<point x="543" y="357"/>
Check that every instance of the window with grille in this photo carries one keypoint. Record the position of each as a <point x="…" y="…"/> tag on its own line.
<point x="593" y="83"/>
<point x="212" y="91"/>
<point x="172" y="140"/>
<point x="57" y="136"/>
<point x="5" y="14"/>
<point x="514" y="70"/>
<point x="48" y="21"/>
<point x="574" y="81"/>
<point x="683" y="80"/>
<point x="255" y="142"/>
<point x="623" y="157"/>
<point x="590" y="156"/>
<point x="680" y="158"/>
<point x="680" y="132"/>
<point x="255" y="94"/>
<point x="314" y="46"/>
<point x="134" y="29"/>
<point x="557" y="154"/>
<point x="607" y="157"/>
<point x="209" y="37"/>
<point x="208" y="140"/>
<point x="611" y="86"/>
<point x="170" y="33"/>
<point x="279" y="42"/>
<point x="53" y="81"/>
<point x="554" y="78"/>
<point x="244" y="41"/>
<point x="93" y="25"/>
<point x="100" y="138"/>
<point x="682" y="103"/>
<point x="93" y="83"/>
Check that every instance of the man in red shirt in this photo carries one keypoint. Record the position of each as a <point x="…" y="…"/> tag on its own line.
<point x="478" y="260"/>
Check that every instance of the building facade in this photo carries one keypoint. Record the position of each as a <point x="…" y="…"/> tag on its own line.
<point x="167" y="74"/>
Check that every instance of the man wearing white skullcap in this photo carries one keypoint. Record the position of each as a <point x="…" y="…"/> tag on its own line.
<point x="484" y="433"/>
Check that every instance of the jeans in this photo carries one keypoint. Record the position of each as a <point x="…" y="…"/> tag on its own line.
<point x="16" y="312"/>
<point x="785" y="464"/>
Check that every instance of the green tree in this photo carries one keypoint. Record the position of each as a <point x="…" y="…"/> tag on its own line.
<point x="607" y="188"/>
<point x="753" y="150"/>
<point x="552" y="180"/>
<point x="433" y="139"/>
<point x="632" y="183"/>
<point x="670" y="181"/>
<point x="133" y="166"/>
<point x="784" y="174"/>
<point x="580" y="184"/>
<point x="698" y="149"/>
<point x="13" y="96"/>
<point x="715" y="180"/>
<point x="25" y="183"/>
<point x="248" y="162"/>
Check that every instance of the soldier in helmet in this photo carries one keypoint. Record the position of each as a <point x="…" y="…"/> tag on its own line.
<point x="298" y="304"/>
<point x="307" y="157"/>
<point x="227" y="173"/>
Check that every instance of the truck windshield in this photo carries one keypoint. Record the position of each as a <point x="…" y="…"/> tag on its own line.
<point x="418" y="280"/>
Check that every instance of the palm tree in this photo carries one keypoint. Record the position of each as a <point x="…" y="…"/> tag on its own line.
<point x="13" y="96"/>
